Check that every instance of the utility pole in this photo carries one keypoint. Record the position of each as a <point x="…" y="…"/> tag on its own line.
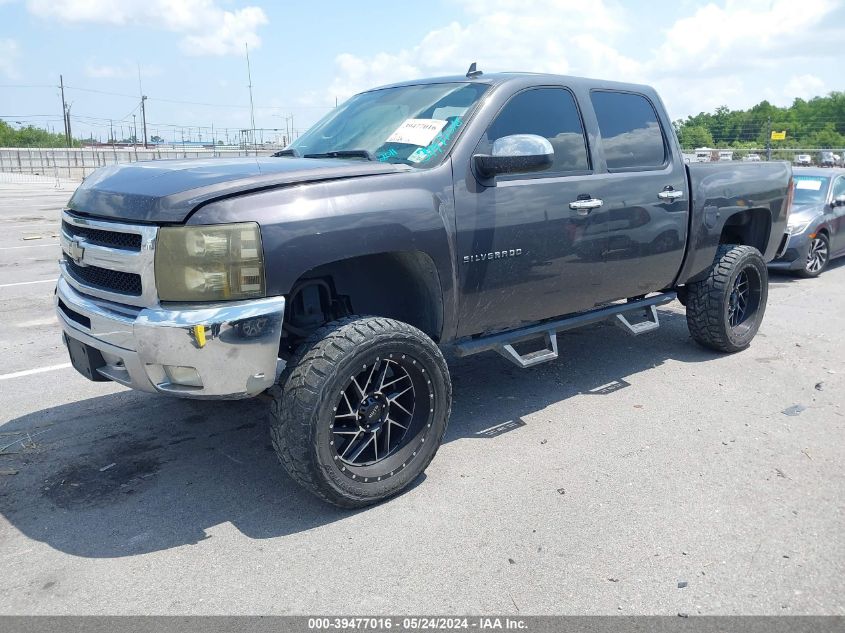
<point x="251" y="106"/>
<point x="67" y="127"/>
<point x="135" y="136"/>
<point x="143" y="109"/>
<point x="64" y="110"/>
<point x="769" y="140"/>
<point x="144" y="119"/>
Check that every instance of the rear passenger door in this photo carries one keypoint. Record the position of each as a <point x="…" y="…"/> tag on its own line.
<point x="644" y="193"/>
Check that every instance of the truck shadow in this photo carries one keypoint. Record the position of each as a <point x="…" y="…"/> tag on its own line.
<point x="131" y="473"/>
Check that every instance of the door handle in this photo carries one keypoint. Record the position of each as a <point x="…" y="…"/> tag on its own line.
<point x="670" y="194"/>
<point x="583" y="207"/>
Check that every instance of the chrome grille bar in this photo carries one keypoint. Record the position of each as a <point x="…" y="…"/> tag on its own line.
<point x="86" y="247"/>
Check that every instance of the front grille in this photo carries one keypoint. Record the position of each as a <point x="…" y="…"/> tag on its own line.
<point x="105" y="279"/>
<point x="113" y="239"/>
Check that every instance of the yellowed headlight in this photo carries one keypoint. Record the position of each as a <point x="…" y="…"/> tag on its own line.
<point x="209" y="263"/>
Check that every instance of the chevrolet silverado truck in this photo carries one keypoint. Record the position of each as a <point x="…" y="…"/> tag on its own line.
<point x="467" y="214"/>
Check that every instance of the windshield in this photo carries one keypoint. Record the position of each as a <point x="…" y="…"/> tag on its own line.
<point x="810" y="189"/>
<point x="413" y="125"/>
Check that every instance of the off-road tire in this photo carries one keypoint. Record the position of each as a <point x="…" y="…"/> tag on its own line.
<point x="303" y="407"/>
<point x="708" y="301"/>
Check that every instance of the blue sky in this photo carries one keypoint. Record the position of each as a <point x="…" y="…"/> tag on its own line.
<point x="304" y="55"/>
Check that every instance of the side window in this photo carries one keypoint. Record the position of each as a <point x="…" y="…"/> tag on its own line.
<point x="630" y="132"/>
<point x="550" y="113"/>
<point x="839" y="187"/>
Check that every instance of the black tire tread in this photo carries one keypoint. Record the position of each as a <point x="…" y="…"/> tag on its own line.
<point x="705" y="298"/>
<point x="301" y="388"/>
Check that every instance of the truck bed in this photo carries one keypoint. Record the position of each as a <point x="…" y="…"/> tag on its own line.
<point x="733" y="194"/>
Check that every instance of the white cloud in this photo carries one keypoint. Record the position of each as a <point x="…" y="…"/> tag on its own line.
<point x="729" y="52"/>
<point x="804" y="86"/>
<point x="9" y="55"/>
<point x="560" y="36"/>
<point x="206" y="28"/>
<point x="740" y="34"/>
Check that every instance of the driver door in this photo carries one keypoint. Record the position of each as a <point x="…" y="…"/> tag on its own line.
<point x="523" y="254"/>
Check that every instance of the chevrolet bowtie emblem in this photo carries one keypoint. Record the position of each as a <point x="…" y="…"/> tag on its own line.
<point x="75" y="251"/>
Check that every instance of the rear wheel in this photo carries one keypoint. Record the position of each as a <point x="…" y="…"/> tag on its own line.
<point x="818" y="255"/>
<point x="361" y="410"/>
<point x="724" y="310"/>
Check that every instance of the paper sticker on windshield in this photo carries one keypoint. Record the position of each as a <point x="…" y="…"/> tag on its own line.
<point x="807" y="183"/>
<point x="419" y="132"/>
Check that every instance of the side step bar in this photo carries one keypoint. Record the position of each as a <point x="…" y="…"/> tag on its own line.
<point x="503" y="342"/>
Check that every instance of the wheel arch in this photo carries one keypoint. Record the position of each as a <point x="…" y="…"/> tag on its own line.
<point x="402" y="285"/>
<point x="748" y="227"/>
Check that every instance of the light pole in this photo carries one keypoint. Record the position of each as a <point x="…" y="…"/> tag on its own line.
<point x="135" y="137"/>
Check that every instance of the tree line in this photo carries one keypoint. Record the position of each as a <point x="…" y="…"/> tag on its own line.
<point x="815" y="124"/>
<point x="31" y="136"/>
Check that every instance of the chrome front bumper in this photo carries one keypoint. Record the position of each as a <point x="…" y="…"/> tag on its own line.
<point x="233" y="347"/>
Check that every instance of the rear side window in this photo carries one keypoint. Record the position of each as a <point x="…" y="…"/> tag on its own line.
<point x="630" y="131"/>
<point x="550" y="113"/>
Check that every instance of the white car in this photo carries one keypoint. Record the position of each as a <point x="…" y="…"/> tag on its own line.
<point x="752" y="158"/>
<point x="803" y="159"/>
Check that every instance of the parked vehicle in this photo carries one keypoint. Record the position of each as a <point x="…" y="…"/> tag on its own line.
<point x="829" y="159"/>
<point x="752" y="158"/>
<point x="473" y="213"/>
<point x="804" y="160"/>
<point x="817" y="222"/>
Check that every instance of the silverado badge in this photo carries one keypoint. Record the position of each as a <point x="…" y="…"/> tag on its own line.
<point x="482" y="257"/>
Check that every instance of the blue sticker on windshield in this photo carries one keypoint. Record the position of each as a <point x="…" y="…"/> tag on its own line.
<point x="387" y="155"/>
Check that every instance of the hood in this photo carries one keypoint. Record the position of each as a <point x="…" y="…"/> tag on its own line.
<point x="805" y="212"/>
<point x="169" y="190"/>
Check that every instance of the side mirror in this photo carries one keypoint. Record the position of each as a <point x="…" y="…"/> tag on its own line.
<point x="517" y="153"/>
<point x="839" y="201"/>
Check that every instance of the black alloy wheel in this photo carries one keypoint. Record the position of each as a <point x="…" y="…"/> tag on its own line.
<point x="374" y="416"/>
<point x="726" y="308"/>
<point x="360" y="409"/>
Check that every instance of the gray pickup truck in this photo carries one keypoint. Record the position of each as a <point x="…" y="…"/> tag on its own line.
<point x="472" y="213"/>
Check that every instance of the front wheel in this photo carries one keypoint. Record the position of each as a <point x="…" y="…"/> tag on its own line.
<point x="818" y="255"/>
<point x="361" y="409"/>
<point x="724" y="310"/>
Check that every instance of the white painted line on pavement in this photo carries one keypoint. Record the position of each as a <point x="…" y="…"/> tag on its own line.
<point x="29" y="372"/>
<point x="11" y="248"/>
<point x="43" y="225"/>
<point x="26" y="283"/>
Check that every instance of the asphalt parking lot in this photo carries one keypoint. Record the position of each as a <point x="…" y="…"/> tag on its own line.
<point x="633" y="475"/>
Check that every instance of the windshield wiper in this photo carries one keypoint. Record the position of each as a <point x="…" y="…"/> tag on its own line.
<point x="287" y="152"/>
<point x="344" y="153"/>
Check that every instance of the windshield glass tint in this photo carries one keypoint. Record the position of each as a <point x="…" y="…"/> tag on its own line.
<point x="413" y="125"/>
<point x="810" y="189"/>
